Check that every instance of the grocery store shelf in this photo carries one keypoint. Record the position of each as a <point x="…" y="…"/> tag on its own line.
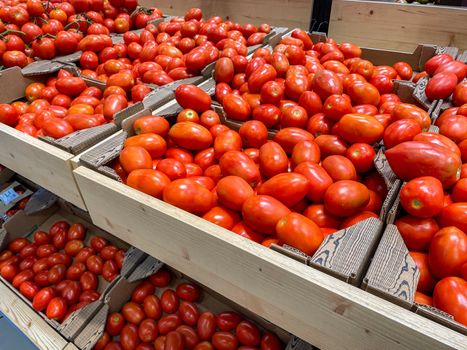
<point x="30" y="323"/>
<point x="318" y="308"/>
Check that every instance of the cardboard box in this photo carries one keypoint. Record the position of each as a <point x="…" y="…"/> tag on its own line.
<point x="40" y="214"/>
<point x="121" y="294"/>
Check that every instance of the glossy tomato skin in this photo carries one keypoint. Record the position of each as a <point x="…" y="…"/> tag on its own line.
<point x="414" y="159"/>
<point x="400" y="131"/>
<point x="441" y="86"/>
<point x="289" y="188"/>
<point x="56" y="309"/>
<point x="129" y="337"/>
<point x="422" y="196"/>
<point x="346" y="197"/>
<point x="262" y="213"/>
<point x="417" y="232"/>
<point x="42" y="298"/>
<point x="187" y="194"/>
<point x="228" y="320"/>
<point x="191" y="136"/>
<point x="450" y="295"/>
<point x="454" y="215"/>
<point x="191" y="96"/>
<point x="447" y="252"/>
<point x="206" y="326"/>
<point x="427" y="280"/>
<point x="115" y="323"/>
<point x="318" y="178"/>
<point x="133" y="313"/>
<point x="169" y="323"/>
<point x="149" y="181"/>
<point x="339" y="168"/>
<point x="362" y="156"/>
<point x="224" y="341"/>
<point x="409" y="111"/>
<point x="272" y="159"/>
<point x="237" y="163"/>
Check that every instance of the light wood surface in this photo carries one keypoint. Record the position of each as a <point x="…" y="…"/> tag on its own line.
<point x="397" y="26"/>
<point x="328" y="313"/>
<point x="40" y="162"/>
<point x="288" y="13"/>
<point x="29" y="322"/>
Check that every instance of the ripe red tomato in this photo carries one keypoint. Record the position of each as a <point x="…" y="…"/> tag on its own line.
<point x="187" y="194"/>
<point x="191" y="96"/>
<point x="422" y="197"/>
<point x="447" y="252"/>
<point x="94" y="264"/>
<point x="262" y="213"/>
<point x="346" y="197"/>
<point x="161" y="278"/>
<point x="169" y="323"/>
<point x="441" y="86"/>
<point x="339" y="168"/>
<point x="450" y="295"/>
<point x="188" y="292"/>
<point x="115" y="323"/>
<point x="417" y="232"/>
<point x="57" y="274"/>
<point x="142" y="290"/>
<point x="169" y="301"/>
<point x="289" y="188"/>
<point x="29" y="289"/>
<point x="133" y="313"/>
<point x="56" y="309"/>
<point x="173" y="341"/>
<point x="190" y="135"/>
<point x="225" y="341"/>
<point x="42" y="298"/>
<point x="71" y="292"/>
<point x="206" y="326"/>
<point x="237" y="163"/>
<point x="88" y="281"/>
<point x="433" y="63"/>
<point x="236" y="107"/>
<point x="189" y="313"/>
<point x="152" y="307"/>
<point x="129" y="337"/>
<point x="427" y="280"/>
<point x="147" y="330"/>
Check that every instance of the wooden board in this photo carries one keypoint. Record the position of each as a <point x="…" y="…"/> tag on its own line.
<point x="288" y="13"/>
<point x="322" y="310"/>
<point x="397" y="26"/>
<point x="29" y="322"/>
<point x="40" y="162"/>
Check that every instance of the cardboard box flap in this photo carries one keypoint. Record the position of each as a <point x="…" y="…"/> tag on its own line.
<point x="157" y="98"/>
<point x="80" y="140"/>
<point x="389" y="200"/>
<point x="98" y="156"/>
<point x="209" y="86"/>
<point x="439" y="316"/>
<point x="120" y="116"/>
<point x="39" y="201"/>
<point x="89" y="336"/>
<point x="291" y="252"/>
<point x="74" y="323"/>
<point x="394" y="210"/>
<point x="208" y="70"/>
<point x="175" y="84"/>
<point x="296" y="343"/>
<point x="384" y="169"/>
<point x="348" y="251"/>
<point x="393" y="274"/>
<point x="419" y="93"/>
<point x="133" y="257"/>
<point x="463" y="57"/>
<point x="12" y="84"/>
<point x="318" y="37"/>
<point x="148" y="267"/>
<point x="452" y="51"/>
<point x="71" y="58"/>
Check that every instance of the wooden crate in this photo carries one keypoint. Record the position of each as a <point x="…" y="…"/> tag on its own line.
<point x="396" y="26"/>
<point x="304" y="301"/>
<point x="289" y="13"/>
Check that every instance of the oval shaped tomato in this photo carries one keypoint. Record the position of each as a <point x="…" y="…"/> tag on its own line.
<point x="224" y="341"/>
<point x="228" y="320"/>
<point x="70" y="86"/>
<point x="188" y="195"/>
<point x="450" y="295"/>
<point x="56" y="309"/>
<point x="135" y="157"/>
<point x="287" y="138"/>
<point x="189" y="313"/>
<point x="434" y="62"/>
<point x="417" y="232"/>
<point x="427" y="280"/>
<point x="413" y="159"/>
<point x="346" y="197"/>
<point x="133" y="313"/>
<point x="339" y="168"/>
<point x="262" y="213"/>
<point x="147" y="330"/>
<point x="153" y="143"/>
<point x="142" y="290"/>
<point x="115" y="323"/>
<point x="441" y="86"/>
<point x="326" y="83"/>
<point x="236" y="107"/>
<point x="206" y="326"/>
<point x="267" y="114"/>
<point x="359" y="128"/>
<point x="289" y="188"/>
<point x="129" y="337"/>
<point x="447" y="252"/>
<point x="192" y="97"/>
<point x="161" y="278"/>
<point x="149" y="181"/>
<point x="169" y="323"/>
<point x="152" y="307"/>
<point x="410" y="111"/>
<point x="400" y="131"/>
<point x="306" y="151"/>
<point x="237" y="163"/>
<point x="190" y="135"/>
<point x="232" y="191"/>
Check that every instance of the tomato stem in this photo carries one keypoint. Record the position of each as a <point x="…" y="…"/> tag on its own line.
<point x="9" y="31"/>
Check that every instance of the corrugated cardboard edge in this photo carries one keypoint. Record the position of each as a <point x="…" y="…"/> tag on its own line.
<point x="393" y="274"/>
<point x="439" y="316"/>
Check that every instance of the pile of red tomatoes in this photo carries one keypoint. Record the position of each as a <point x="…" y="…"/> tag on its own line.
<point x="178" y="320"/>
<point x="57" y="271"/>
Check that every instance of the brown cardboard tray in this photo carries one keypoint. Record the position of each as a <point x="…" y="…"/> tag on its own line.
<point x="122" y="290"/>
<point x="40" y="214"/>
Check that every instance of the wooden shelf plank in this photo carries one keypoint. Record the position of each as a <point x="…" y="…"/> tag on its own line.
<point x="46" y="165"/>
<point x="320" y="309"/>
<point x="390" y="25"/>
<point x="29" y="322"/>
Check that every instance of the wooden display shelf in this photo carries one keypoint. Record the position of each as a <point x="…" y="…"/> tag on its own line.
<point x="318" y="308"/>
<point x="30" y="323"/>
<point x="397" y="26"/>
<point x="291" y="13"/>
<point x="40" y="162"/>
